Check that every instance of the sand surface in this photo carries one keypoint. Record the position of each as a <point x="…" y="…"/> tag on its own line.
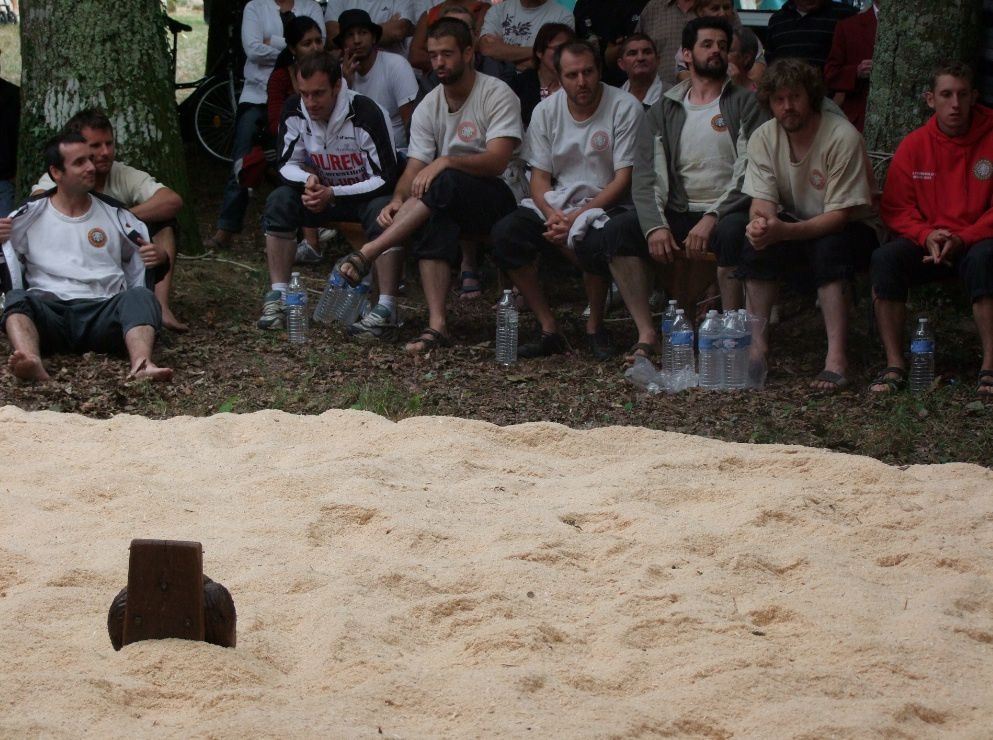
<point x="441" y="577"/>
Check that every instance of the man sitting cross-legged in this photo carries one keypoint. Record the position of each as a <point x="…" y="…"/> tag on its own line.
<point x="812" y="208"/>
<point x="938" y="203"/>
<point x="580" y="146"/>
<point x="77" y="273"/>
<point x="462" y="137"/>
<point x="338" y="163"/>
<point x="149" y="200"/>
<point x="687" y="183"/>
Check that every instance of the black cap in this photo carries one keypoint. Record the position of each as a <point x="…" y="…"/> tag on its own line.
<point x="356" y="18"/>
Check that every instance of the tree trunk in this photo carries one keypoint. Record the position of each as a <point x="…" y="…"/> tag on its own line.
<point x="111" y="55"/>
<point x="914" y="36"/>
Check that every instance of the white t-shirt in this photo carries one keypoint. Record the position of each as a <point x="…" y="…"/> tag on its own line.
<point x="390" y="83"/>
<point x="261" y="21"/>
<point x="705" y="163"/>
<point x="80" y="257"/>
<point x="653" y="94"/>
<point x="491" y="111"/>
<point x="518" y="25"/>
<point x="834" y="175"/>
<point x="379" y="11"/>
<point x="582" y="156"/>
<point x="125" y="184"/>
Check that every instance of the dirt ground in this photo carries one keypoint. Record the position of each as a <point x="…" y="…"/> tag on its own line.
<point x="225" y="364"/>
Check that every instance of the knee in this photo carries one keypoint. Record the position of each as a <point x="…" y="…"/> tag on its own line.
<point x="441" y="191"/>
<point x="281" y="213"/>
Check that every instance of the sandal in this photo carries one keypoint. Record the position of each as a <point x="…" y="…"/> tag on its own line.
<point x="893" y="384"/>
<point x="475" y="289"/>
<point x="358" y="262"/>
<point x="984" y="385"/>
<point x="837" y="381"/>
<point x="650" y="352"/>
<point x="428" y="340"/>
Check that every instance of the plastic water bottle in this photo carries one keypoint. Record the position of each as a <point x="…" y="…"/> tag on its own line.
<point x="354" y="301"/>
<point x="665" y="329"/>
<point x="921" y="358"/>
<point x="296" y="310"/>
<point x="507" y="320"/>
<point x="711" y="354"/>
<point x="334" y="291"/>
<point x="737" y="340"/>
<point x="683" y="362"/>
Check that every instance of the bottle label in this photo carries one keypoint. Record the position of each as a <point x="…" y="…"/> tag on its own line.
<point x="295" y="299"/>
<point x="921" y="346"/>
<point x="682" y="338"/>
<point x="667" y="326"/>
<point x="710" y="344"/>
<point x="337" y="280"/>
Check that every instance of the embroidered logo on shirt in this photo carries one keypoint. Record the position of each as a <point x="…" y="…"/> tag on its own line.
<point x="97" y="237"/>
<point x="922" y="175"/>
<point x="467" y="131"/>
<point x="717" y="123"/>
<point x="600" y="141"/>
<point x="983" y="169"/>
<point x="817" y="179"/>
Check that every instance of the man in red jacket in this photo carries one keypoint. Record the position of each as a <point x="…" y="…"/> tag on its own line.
<point x="849" y="64"/>
<point x="938" y="204"/>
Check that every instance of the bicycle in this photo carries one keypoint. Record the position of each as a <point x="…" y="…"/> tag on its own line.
<point x="7" y="14"/>
<point x="211" y="110"/>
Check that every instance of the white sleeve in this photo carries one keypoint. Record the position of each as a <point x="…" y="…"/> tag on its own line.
<point x="13" y="266"/>
<point x="333" y="11"/>
<point x="422" y="145"/>
<point x="403" y="82"/>
<point x="293" y="169"/>
<point x="131" y="263"/>
<point x="252" y="35"/>
<point x="504" y="113"/>
<point x="627" y="119"/>
<point x="405" y="9"/>
<point x="493" y="21"/>
<point x="537" y="150"/>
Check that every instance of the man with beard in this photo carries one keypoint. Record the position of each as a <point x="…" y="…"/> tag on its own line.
<point x="383" y="76"/>
<point x="812" y="212"/>
<point x="687" y="183"/>
<point x="462" y="137"/>
<point x="640" y="62"/>
<point x="580" y="146"/>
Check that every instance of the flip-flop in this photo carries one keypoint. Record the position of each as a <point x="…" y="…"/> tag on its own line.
<point x="472" y="292"/>
<point x="892" y="384"/>
<point x="650" y="352"/>
<point x="985" y="381"/>
<point x="359" y="262"/>
<point x="429" y="339"/>
<point x="837" y="380"/>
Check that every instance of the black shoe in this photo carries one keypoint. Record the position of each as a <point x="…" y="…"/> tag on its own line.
<point x="545" y="346"/>
<point x="599" y="345"/>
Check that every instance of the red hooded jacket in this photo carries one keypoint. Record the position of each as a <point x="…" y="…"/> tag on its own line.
<point x="937" y="181"/>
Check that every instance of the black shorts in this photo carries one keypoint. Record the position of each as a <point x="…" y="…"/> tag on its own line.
<point x="898" y="265"/>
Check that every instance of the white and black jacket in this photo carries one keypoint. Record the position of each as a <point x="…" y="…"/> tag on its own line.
<point x="355" y="154"/>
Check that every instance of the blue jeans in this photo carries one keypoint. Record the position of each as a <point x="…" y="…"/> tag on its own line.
<point x="6" y="197"/>
<point x="235" y="201"/>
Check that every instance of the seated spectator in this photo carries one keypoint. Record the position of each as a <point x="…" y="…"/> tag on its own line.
<point x="385" y="77"/>
<point x="640" y="62"/>
<point x="149" y="200"/>
<point x="605" y="24"/>
<point x="849" y="63"/>
<point x="462" y="137"/>
<point x="10" y="121"/>
<point x="804" y="29"/>
<point x="510" y="29"/>
<point x="338" y="163"/>
<point x="538" y="82"/>
<point x="303" y="36"/>
<point x="725" y="9"/>
<point x="418" y="56"/>
<point x="741" y="58"/>
<point x="812" y="209"/>
<point x="938" y="206"/>
<point x="396" y="18"/>
<point x="580" y="146"/>
<point x="687" y="184"/>
<point x="487" y="66"/>
<point x="77" y="272"/>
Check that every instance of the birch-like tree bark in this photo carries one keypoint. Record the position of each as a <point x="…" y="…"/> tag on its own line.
<point x="112" y="55"/>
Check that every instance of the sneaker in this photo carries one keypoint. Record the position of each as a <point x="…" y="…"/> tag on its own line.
<point x="306" y="254"/>
<point x="325" y="236"/>
<point x="273" y="313"/>
<point x="599" y="345"/>
<point x="611" y="303"/>
<point x="545" y="346"/>
<point x="378" y="323"/>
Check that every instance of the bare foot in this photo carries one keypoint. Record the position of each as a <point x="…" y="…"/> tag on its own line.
<point x="27" y="367"/>
<point x="147" y="370"/>
<point x="170" y="322"/>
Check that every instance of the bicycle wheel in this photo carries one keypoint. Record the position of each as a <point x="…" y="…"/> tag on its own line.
<point x="214" y="118"/>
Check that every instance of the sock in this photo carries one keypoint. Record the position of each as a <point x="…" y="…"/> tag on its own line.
<point x="281" y="287"/>
<point x="390" y="302"/>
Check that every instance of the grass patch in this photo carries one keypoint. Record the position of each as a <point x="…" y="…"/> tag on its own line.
<point x="385" y="398"/>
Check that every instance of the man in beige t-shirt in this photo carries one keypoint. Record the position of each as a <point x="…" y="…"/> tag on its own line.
<point x="812" y="212"/>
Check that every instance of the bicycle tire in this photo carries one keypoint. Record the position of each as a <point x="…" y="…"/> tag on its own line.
<point x="214" y="117"/>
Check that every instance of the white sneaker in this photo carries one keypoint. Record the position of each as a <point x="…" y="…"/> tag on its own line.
<point x="306" y="254"/>
<point x="378" y="323"/>
<point x="325" y="236"/>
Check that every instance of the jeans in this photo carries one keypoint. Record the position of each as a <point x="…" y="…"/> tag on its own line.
<point x="250" y="116"/>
